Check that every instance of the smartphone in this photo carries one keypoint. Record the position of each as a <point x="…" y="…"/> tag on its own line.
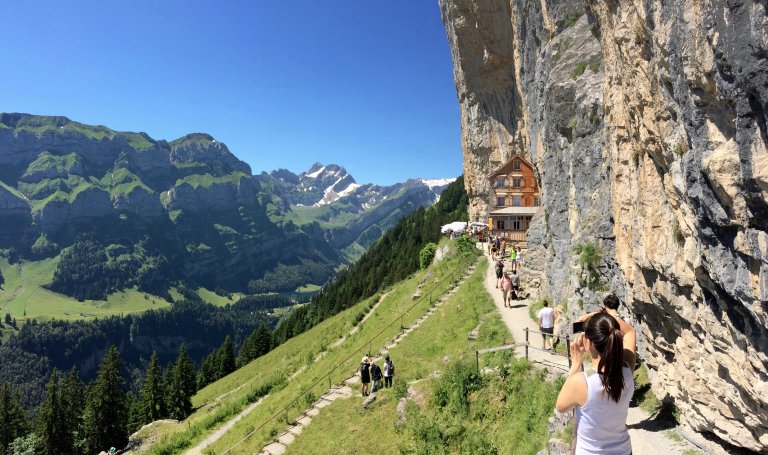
<point x="578" y="327"/>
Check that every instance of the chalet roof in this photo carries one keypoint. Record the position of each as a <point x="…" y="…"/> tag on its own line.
<point x="516" y="211"/>
<point x="506" y="167"/>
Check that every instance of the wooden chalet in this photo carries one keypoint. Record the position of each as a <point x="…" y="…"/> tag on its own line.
<point x="515" y="199"/>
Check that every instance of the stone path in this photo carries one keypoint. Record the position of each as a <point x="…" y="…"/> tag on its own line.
<point x="279" y="445"/>
<point x="216" y="435"/>
<point x="647" y="436"/>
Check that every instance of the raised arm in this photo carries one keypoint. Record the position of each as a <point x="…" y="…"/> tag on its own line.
<point x="629" y="339"/>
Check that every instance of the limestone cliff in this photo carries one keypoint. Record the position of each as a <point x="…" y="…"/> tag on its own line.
<point x="646" y="123"/>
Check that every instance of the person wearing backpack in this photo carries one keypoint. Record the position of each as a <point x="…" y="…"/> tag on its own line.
<point x="365" y="375"/>
<point x="389" y="371"/>
<point x="375" y="377"/>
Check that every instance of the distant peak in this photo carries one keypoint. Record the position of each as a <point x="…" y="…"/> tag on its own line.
<point x="196" y="138"/>
<point x="315" y="167"/>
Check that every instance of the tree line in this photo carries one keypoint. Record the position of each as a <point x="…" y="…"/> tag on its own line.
<point x="79" y="419"/>
<point x="392" y="258"/>
<point x="30" y="355"/>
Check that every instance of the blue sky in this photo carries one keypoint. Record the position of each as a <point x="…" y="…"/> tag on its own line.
<point x="284" y="83"/>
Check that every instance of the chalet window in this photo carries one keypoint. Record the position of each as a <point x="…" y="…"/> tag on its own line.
<point x="501" y="201"/>
<point x="536" y="201"/>
<point x="500" y="182"/>
<point x="516" y="165"/>
<point x="500" y="225"/>
<point x="517" y="223"/>
<point x="517" y="201"/>
<point x="517" y="183"/>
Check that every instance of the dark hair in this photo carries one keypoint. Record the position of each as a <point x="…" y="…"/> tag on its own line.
<point x="611" y="301"/>
<point x="546" y="302"/>
<point x="604" y="332"/>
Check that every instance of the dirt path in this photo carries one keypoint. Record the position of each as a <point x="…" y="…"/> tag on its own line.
<point x="648" y="436"/>
<point x="517" y="320"/>
<point x="216" y="435"/>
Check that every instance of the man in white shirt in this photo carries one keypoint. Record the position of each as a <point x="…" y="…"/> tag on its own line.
<point x="546" y="318"/>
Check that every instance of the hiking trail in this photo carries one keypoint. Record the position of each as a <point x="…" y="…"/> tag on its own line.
<point x="648" y="435"/>
<point x="216" y="435"/>
<point x="279" y="445"/>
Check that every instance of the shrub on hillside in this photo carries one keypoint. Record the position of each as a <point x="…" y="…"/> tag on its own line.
<point x="427" y="254"/>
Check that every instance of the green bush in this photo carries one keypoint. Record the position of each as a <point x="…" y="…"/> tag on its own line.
<point x="427" y="254"/>
<point x="461" y="379"/>
<point x="465" y="245"/>
<point x="590" y="259"/>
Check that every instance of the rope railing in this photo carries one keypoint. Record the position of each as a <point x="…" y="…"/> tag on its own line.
<point x="453" y="278"/>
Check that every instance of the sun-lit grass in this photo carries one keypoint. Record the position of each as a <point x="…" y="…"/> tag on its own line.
<point x="305" y="360"/>
<point x="507" y="414"/>
<point x="24" y="296"/>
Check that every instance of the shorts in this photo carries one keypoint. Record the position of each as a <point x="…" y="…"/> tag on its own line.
<point x="548" y="330"/>
<point x="498" y="274"/>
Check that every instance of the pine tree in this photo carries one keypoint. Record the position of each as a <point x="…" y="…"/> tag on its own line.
<point x="13" y="420"/>
<point x="50" y="425"/>
<point x="226" y="358"/>
<point x="105" y="416"/>
<point x="136" y="413"/>
<point x="208" y="369"/>
<point x="256" y="345"/>
<point x="152" y="392"/>
<point x="182" y="386"/>
<point x="71" y="401"/>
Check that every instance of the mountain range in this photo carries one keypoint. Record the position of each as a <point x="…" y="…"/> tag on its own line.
<point x="157" y="213"/>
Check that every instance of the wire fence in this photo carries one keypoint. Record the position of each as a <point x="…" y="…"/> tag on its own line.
<point x="451" y="279"/>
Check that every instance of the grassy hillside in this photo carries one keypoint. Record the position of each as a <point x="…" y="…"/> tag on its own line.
<point x="24" y="296"/>
<point x="459" y="411"/>
<point x="297" y="365"/>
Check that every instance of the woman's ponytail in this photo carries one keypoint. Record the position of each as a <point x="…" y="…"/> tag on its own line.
<point x="605" y="334"/>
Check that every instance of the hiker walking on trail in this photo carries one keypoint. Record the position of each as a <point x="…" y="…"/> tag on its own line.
<point x="602" y="398"/>
<point x="518" y="259"/>
<point x="546" y="319"/>
<point x="506" y="286"/>
<point x="375" y="377"/>
<point x="389" y="371"/>
<point x="499" y="271"/>
<point x="365" y="375"/>
<point x="515" y="293"/>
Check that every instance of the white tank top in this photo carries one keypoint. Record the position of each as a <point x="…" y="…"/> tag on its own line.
<point x="601" y="422"/>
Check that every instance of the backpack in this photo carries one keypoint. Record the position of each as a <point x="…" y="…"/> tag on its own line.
<point x="389" y="368"/>
<point x="364" y="368"/>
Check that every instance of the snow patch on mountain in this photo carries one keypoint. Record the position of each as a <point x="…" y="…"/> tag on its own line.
<point x="436" y="183"/>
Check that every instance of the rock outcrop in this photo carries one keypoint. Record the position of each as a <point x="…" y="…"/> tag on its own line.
<point x="646" y="124"/>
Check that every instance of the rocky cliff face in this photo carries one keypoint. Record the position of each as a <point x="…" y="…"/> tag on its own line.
<point x="646" y="123"/>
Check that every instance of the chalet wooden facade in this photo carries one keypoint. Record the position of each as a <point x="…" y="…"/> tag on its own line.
<point x="515" y="199"/>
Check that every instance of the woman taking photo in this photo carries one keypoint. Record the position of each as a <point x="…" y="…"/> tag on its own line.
<point x="602" y="398"/>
